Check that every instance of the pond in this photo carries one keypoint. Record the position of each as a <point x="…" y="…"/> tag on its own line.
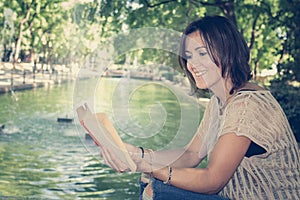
<point x="44" y="159"/>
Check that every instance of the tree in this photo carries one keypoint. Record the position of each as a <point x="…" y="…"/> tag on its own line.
<point x="74" y="29"/>
<point x="34" y="18"/>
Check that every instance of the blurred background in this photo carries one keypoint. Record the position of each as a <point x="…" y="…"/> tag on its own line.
<point x="45" y="46"/>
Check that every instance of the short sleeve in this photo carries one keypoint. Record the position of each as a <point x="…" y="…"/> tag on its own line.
<point x="203" y="129"/>
<point x="253" y="115"/>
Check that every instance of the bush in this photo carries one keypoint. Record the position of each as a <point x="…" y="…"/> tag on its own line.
<point x="288" y="97"/>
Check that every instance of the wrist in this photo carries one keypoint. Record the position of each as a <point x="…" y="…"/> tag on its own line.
<point x="168" y="179"/>
<point x="136" y="154"/>
<point x="144" y="159"/>
<point x="142" y="151"/>
<point x="164" y="174"/>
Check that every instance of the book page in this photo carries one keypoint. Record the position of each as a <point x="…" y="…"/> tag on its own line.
<point x="101" y="129"/>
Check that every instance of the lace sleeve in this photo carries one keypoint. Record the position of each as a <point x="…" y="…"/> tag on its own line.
<point x="204" y="124"/>
<point x="254" y="115"/>
<point x="203" y="130"/>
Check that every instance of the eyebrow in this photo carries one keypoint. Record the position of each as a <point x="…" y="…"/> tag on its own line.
<point x="201" y="47"/>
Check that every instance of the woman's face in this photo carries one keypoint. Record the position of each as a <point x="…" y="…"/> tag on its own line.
<point x="205" y="72"/>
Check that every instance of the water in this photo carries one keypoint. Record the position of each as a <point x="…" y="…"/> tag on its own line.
<point x="41" y="158"/>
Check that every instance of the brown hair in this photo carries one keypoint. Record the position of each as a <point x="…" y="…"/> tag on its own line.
<point x="226" y="47"/>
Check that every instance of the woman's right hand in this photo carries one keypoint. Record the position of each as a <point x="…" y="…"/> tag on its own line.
<point x="112" y="160"/>
<point x="143" y="164"/>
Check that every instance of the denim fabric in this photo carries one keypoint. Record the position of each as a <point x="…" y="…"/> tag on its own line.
<point x="142" y="187"/>
<point x="162" y="191"/>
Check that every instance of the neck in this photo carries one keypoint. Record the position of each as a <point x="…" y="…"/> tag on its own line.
<point x="221" y="90"/>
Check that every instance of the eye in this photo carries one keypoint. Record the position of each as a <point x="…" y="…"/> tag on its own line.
<point x="188" y="55"/>
<point x="202" y="53"/>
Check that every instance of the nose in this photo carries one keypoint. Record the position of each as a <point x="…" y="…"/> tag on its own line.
<point x="192" y="68"/>
<point x="194" y="64"/>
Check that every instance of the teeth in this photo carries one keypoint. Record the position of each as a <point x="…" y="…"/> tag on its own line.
<point x="200" y="73"/>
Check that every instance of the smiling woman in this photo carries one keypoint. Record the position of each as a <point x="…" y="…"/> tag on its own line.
<point x="204" y="71"/>
<point x="244" y="134"/>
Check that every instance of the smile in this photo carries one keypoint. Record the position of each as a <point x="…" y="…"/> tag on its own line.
<point x="201" y="73"/>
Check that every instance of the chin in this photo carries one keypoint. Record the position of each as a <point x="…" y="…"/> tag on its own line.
<point x="201" y="86"/>
<point x="200" y="83"/>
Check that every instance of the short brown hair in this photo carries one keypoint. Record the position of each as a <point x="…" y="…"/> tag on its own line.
<point x="226" y="47"/>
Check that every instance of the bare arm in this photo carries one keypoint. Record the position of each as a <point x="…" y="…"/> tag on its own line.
<point x="189" y="156"/>
<point x="225" y="158"/>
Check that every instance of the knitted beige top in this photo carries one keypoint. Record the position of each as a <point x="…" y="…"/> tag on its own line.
<point x="258" y="116"/>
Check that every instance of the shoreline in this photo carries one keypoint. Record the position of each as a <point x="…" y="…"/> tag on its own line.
<point x="28" y="86"/>
<point x="23" y="77"/>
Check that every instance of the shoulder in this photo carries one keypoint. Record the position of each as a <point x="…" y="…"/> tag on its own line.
<point x="251" y="87"/>
<point x="256" y="109"/>
<point x="254" y="104"/>
<point x="251" y="93"/>
<point x="256" y="98"/>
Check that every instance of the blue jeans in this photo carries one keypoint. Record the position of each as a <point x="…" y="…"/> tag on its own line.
<point x="162" y="191"/>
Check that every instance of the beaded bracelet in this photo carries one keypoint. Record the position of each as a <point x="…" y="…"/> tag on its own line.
<point x="151" y="160"/>
<point x="169" y="177"/>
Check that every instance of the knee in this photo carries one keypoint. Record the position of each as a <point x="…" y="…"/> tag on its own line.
<point x="148" y="192"/>
<point x="145" y="178"/>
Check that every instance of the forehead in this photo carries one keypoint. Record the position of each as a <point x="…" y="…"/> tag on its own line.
<point x="193" y="41"/>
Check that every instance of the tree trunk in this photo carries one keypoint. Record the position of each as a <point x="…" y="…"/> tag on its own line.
<point x="20" y="37"/>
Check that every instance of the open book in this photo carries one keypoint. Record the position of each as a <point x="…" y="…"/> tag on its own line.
<point x="101" y="129"/>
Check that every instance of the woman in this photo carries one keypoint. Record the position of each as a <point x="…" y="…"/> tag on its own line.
<point x="251" y="150"/>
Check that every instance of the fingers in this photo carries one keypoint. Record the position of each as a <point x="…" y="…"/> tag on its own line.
<point x="134" y="152"/>
<point x="104" y="156"/>
<point x="111" y="160"/>
<point x="108" y="160"/>
<point x="130" y="147"/>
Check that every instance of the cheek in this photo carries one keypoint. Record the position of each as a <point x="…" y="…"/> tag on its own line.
<point x="218" y="70"/>
<point x="189" y="67"/>
<point x="213" y="67"/>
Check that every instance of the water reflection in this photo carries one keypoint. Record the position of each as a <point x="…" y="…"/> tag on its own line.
<point x="43" y="159"/>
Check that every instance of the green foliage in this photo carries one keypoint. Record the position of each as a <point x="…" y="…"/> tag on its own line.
<point x="35" y="26"/>
<point x="288" y="97"/>
<point x="172" y="14"/>
<point x="288" y="23"/>
<point x="73" y="30"/>
<point x="289" y="15"/>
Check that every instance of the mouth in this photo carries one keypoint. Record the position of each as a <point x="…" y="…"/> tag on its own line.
<point x="197" y="72"/>
<point x="200" y="73"/>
